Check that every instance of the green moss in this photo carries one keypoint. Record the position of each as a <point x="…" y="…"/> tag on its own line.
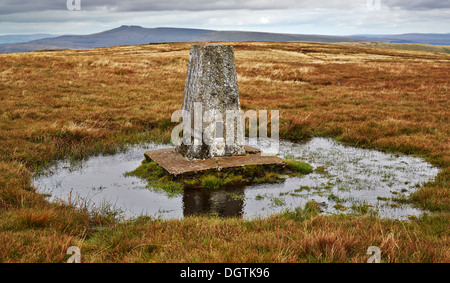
<point x="272" y="177"/>
<point x="321" y="170"/>
<point x="259" y="197"/>
<point x="299" y="166"/>
<point x="267" y="177"/>
<point x="159" y="179"/>
<point x="232" y="179"/>
<point x="340" y="207"/>
<point x="382" y="198"/>
<point x="148" y="170"/>
<point x="235" y="196"/>
<point x="335" y="198"/>
<point x="212" y="182"/>
<point x="302" y="188"/>
<point x="170" y="187"/>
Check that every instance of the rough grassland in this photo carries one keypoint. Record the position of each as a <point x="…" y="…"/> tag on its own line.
<point x="71" y="104"/>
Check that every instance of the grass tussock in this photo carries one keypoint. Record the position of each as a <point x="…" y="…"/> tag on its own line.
<point x="292" y="237"/>
<point x="299" y="166"/>
<point x="159" y="179"/>
<point x="75" y="103"/>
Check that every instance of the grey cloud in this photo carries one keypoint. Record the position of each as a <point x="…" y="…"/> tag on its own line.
<point x="205" y="5"/>
<point x="23" y="6"/>
<point x="318" y="16"/>
<point x="417" y="4"/>
<point x="20" y="6"/>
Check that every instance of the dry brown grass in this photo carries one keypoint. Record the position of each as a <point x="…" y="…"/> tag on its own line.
<point x="276" y="239"/>
<point x="56" y="104"/>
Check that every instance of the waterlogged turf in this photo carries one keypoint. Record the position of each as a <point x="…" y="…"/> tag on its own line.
<point x="345" y="180"/>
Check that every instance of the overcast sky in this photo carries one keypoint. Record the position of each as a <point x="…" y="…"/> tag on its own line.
<point x="344" y="17"/>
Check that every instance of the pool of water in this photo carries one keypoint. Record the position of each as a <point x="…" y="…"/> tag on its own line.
<point x="345" y="180"/>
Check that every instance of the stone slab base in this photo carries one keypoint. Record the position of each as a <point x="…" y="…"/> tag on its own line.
<point x="176" y="164"/>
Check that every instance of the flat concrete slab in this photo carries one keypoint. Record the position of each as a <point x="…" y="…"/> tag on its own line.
<point x="176" y="164"/>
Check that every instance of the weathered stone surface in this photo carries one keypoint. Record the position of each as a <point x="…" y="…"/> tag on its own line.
<point x="211" y="83"/>
<point x="176" y="164"/>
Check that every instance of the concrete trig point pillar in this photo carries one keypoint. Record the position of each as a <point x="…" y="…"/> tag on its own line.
<point x="211" y="101"/>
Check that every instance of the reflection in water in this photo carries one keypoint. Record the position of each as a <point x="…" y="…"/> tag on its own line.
<point x="349" y="178"/>
<point x="226" y="202"/>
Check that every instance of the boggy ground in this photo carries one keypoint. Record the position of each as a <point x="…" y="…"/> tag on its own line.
<point x="158" y="178"/>
<point x="71" y="104"/>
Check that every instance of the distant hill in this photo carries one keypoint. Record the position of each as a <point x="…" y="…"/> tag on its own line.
<point x="403" y="46"/>
<point x="266" y="36"/>
<point x="124" y="35"/>
<point x="7" y="39"/>
<point x="133" y="35"/>
<point x="421" y="38"/>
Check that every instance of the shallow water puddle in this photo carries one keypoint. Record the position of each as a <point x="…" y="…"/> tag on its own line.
<point x="345" y="179"/>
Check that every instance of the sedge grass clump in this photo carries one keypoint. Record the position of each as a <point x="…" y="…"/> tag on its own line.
<point x="148" y="170"/>
<point x="311" y="208"/>
<point x="157" y="178"/>
<point x="299" y="166"/>
<point x="211" y="182"/>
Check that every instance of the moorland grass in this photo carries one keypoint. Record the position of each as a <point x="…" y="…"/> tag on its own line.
<point x="59" y="104"/>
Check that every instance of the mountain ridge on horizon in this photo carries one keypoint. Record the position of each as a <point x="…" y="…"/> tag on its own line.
<point x="135" y="35"/>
